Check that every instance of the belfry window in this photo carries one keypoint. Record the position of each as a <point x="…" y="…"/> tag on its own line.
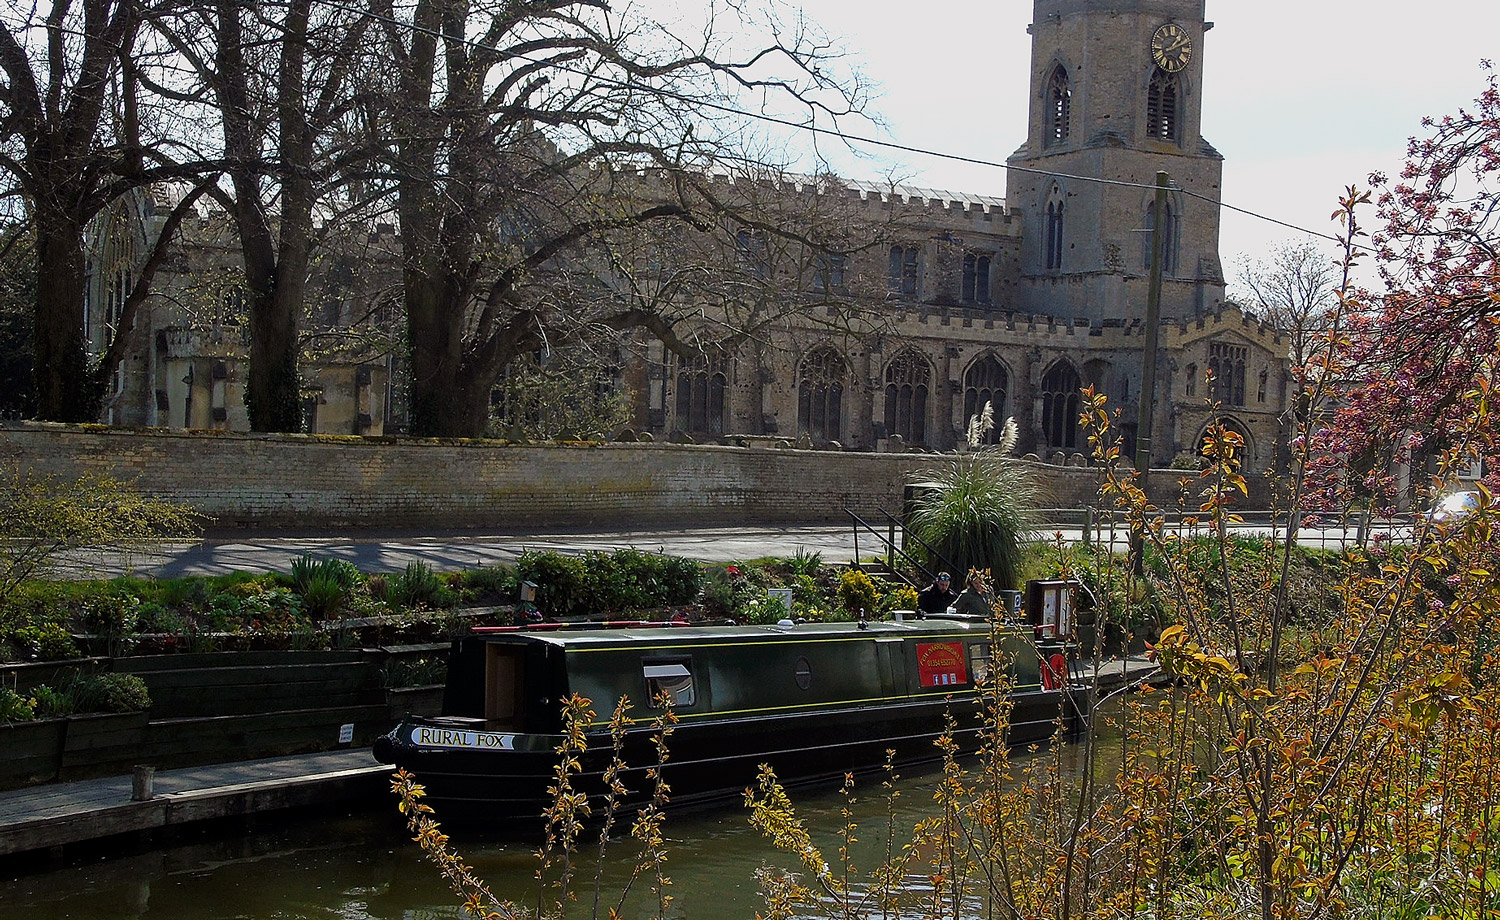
<point x="1059" y="107"/>
<point x="1161" y="106"/>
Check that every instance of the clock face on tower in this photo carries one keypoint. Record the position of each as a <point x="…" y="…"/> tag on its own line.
<point x="1171" y="47"/>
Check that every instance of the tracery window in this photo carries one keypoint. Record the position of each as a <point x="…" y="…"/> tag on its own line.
<point x="828" y="272"/>
<point x="1060" y="386"/>
<point x="1161" y="106"/>
<point x="1059" y="106"/>
<point x="1054" y="234"/>
<point x="1228" y="365"/>
<point x="820" y="394"/>
<point x="701" y="384"/>
<point x="902" y="275"/>
<point x="1170" y="226"/>
<point x="986" y="382"/>
<point x="975" y="286"/>
<point x="907" y="380"/>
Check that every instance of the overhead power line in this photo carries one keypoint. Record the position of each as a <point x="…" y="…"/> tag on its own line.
<point x="815" y="129"/>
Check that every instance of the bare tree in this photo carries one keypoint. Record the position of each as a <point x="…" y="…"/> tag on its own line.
<point x="508" y="132"/>
<point x="280" y="78"/>
<point x="1296" y="289"/>
<point x="77" y="133"/>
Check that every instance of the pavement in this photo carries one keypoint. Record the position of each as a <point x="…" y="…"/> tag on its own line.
<point x="375" y="552"/>
<point x="372" y="552"/>
<point x="59" y="814"/>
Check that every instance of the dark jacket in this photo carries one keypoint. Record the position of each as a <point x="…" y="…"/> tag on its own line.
<point x="933" y="599"/>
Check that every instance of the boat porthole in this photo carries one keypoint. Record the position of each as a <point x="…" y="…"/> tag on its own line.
<point x="803" y="673"/>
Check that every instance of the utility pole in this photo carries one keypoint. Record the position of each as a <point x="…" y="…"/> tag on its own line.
<point x="1145" y="419"/>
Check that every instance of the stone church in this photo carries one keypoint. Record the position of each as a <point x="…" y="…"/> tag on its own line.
<point x="1022" y="301"/>
<point x="1018" y="302"/>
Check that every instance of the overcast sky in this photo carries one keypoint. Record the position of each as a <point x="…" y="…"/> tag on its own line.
<point x="1301" y="98"/>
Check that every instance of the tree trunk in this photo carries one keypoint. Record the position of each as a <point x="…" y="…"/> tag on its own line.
<point x="446" y="400"/>
<point x="273" y="390"/>
<point x="64" y="387"/>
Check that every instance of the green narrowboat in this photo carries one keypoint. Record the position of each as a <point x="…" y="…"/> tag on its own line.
<point x="813" y="700"/>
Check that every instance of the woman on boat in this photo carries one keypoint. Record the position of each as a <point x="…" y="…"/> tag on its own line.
<point x="976" y="598"/>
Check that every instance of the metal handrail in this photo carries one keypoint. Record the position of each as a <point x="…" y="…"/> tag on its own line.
<point x="890" y="544"/>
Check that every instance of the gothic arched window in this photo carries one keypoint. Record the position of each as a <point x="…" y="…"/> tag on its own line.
<point x="1060" y="386"/>
<point x="1161" y="106"/>
<point x="1228" y="365"/>
<point x="1054" y="235"/>
<point x="820" y="394"/>
<point x="1059" y="106"/>
<point x="907" y="379"/>
<point x="701" y="383"/>
<point x="902" y="276"/>
<point x="975" y="287"/>
<point x="986" y="382"/>
<point x="1169" y="237"/>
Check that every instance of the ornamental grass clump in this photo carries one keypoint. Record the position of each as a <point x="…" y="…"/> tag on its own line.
<point x="978" y="511"/>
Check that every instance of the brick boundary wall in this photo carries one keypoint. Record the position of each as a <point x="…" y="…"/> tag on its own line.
<point x="323" y="482"/>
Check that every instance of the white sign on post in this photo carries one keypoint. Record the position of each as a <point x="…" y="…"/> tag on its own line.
<point x="781" y="594"/>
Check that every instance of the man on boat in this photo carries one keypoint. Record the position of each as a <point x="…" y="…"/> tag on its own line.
<point x="936" y="597"/>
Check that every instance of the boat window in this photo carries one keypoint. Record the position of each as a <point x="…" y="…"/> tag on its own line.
<point x="979" y="661"/>
<point x="672" y="679"/>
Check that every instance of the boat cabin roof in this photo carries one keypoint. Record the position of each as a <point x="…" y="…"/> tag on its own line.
<point x="697" y="635"/>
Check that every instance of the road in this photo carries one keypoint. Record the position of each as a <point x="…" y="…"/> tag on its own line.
<point x="447" y="552"/>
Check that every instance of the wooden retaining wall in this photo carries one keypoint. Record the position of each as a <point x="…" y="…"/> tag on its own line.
<point x="216" y="708"/>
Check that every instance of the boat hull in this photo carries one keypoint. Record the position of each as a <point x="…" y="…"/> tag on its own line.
<point x="709" y="762"/>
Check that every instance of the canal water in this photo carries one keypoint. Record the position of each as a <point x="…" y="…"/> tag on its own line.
<point x="361" y="865"/>
<point x="364" y="865"/>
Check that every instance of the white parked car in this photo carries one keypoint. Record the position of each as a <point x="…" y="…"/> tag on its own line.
<point x="1454" y="507"/>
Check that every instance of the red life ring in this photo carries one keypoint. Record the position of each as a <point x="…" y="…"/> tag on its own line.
<point x="1054" y="671"/>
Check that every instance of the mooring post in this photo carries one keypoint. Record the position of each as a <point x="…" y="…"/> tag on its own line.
<point x="142" y="783"/>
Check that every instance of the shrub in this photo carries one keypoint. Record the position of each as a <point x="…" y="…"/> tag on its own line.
<point x="324" y="584"/>
<point x="857" y="592"/>
<point x="110" y="693"/>
<point x="902" y="597"/>
<point x="324" y="597"/>
<point x="419" y="586"/>
<point x="15" y="708"/>
<point x="763" y="610"/>
<point x="494" y="583"/>
<point x="306" y="569"/>
<point x="560" y="581"/>
<point x="51" y="703"/>
<point x="979" y="511"/>
<point x="378" y="587"/>
<point x="804" y="563"/>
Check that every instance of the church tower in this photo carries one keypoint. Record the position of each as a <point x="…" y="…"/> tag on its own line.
<point x="1116" y="95"/>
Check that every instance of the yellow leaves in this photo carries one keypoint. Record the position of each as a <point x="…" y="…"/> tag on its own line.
<point x="1446" y="697"/>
